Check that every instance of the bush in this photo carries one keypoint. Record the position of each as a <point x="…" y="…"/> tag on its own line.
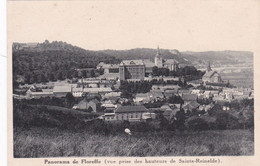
<point x="226" y="121"/>
<point x="198" y="124"/>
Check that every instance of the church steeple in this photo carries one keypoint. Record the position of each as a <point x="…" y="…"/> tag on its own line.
<point x="158" y="51"/>
<point x="158" y="59"/>
<point x="209" y="68"/>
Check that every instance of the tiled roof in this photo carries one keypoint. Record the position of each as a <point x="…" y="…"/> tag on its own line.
<point x="132" y="62"/>
<point x="62" y="89"/>
<point x="209" y="74"/>
<point x="109" y="76"/>
<point x="47" y="90"/>
<point x="124" y="109"/>
<point x="142" y="95"/>
<point x="189" y="97"/>
<point x="191" y="105"/>
<point x="148" y="63"/>
<point x="77" y="89"/>
<point x="97" y="90"/>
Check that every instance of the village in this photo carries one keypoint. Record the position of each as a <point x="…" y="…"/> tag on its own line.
<point x="167" y="96"/>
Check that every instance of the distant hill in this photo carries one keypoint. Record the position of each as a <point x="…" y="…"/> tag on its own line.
<point x="218" y="57"/>
<point x="146" y="53"/>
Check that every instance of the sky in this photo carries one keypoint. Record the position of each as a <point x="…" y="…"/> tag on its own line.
<point x="184" y="25"/>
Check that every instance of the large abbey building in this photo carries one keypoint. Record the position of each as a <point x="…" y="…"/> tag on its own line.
<point x="137" y="69"/>
<point x="132" y="69"/>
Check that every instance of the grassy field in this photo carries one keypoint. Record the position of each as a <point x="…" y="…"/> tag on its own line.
<point x="51" y="142"/>
<point x="241" y="79"/>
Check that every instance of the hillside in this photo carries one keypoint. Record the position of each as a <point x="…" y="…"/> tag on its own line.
<point x="145" y="53"/>
<point x="218" y="57"/>
<point x="42" y="62"/>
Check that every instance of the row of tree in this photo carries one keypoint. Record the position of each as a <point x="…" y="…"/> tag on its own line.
<point x="129" y="88"/>
<point x="188" y="72"/>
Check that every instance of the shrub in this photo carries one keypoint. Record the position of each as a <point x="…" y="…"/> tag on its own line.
<point x="226" y="121"/>
<point x="198" y="124"/>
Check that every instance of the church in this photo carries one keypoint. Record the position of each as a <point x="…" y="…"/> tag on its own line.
<point x="171" y="64"/>
<point x="211" y="76"/>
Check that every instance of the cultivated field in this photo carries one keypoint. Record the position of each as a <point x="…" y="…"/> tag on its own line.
<point x="241" y="79"/>
<point x="51" y="142"/>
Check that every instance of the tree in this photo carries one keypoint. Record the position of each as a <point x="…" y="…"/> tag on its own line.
<point x="175" y="100"/>
<point x="198" y="124"/>
<point x="60" y="75"/>
<point x="84" y="74"/>
<point x="51" y="77"/>
<point x="75" y="74"/>
<point x="92" y="73"/>
<point x="155" y="71"/>
<point x="180" y="120"/>
<point x="69" y="99"/>
<point x="43" y="78"/>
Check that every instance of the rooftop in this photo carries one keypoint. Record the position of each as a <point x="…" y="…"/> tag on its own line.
<point x="124" y="109"/>
<point x="62" y="89"/>
<point x="132" y="62"/>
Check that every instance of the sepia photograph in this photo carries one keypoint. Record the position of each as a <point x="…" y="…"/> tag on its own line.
<point x="131" y="79"/>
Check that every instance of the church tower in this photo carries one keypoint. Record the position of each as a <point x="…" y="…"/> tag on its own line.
<point x="209" y="68"/>
<point x="158" y="59"/>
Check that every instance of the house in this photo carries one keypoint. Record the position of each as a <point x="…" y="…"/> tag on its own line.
<point x="193" y="105"/>
<point x="166" y="107"/>
<point x="123" y="100"/>
<point x="156" y="96"/>
<point x="39" y="94"/>
<point x="111" y="68"/>
<point x="170" y="92"/>
<point x="207" y="94"/>
<point x="109" y="76"/>
<point x="142" y="97"/>
<point x="148" y="97"/>
<point x="97" y="90"/>
<point x="108" y="104"/>
<point x="94" y="105"/>
<point x="189" y="97"/>
<point x="169" y="111"/>
<point x="132" y="113"/>
<point x="113" y="100"/>
<point x="112" y="94"/>
<point x="219" y="99"/>
<point x="92" y="85"/>
<point x="205" y="107"/>
<point x="77" y="92"/>
<point x="196" y="91"/>
<point x="61" y="91"/>
<point x="90" y="96"/>
<point x="183" y="91"/>
<point x="100" y="65"/>
<point x="148" y="66"/>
